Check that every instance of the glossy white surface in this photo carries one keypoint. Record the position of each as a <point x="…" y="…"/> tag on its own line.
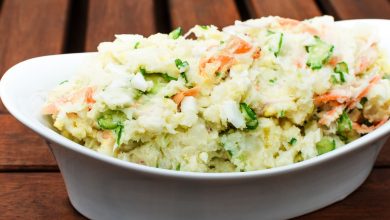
<point x="102" y="187"/>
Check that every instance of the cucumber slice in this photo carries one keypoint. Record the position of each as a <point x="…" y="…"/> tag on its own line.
<point x="319" y="53"/>
<point x="344" y="126"/>
<point x="341" y="68"/>
<point x="111" y="119"/>
<point x="249" y="116"/>
<point x="176" y="33"/>
<point x="325" y="145"/>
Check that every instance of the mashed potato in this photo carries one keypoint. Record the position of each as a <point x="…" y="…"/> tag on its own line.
<point x="259" y="94"/>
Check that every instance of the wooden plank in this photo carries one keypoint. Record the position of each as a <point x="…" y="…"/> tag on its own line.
<point x="295" y="9"/>
<point x="186" y="14"/>
<point x="107" y="18"/>
<point x="2" y="108"/>
<point x="20" y="148"/>
<point x="353" y="9"/>
<point x="29" y="29"/>
<point x="43" y="196"/>
<point x="34" y="196"/>
<point x="370" y="201"/>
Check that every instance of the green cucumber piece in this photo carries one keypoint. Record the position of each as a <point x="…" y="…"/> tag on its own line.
<point x="176" y="33"/>
<point x="325" y="145"/>
<point x="319" y="53"/>
<point x="344" y="126"/>
<point x="111" y="119"/>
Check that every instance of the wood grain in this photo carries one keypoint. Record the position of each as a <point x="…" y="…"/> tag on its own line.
<point x="31" y="28"/>
<point x="107" y="18"/>
<point x="43" y="196"/>
<point x="34" y="196"/>
<point x="296" y="9"/>
<point x="27" y="33"/>
<point x="353" y="9"/>
<point x="186" y="14"/>
<point x="22" y="149"/>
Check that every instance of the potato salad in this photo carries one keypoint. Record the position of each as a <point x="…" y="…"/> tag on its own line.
<point x="258" y="94"/>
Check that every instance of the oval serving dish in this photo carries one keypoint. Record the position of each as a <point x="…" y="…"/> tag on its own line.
<point x="102" y="187"/>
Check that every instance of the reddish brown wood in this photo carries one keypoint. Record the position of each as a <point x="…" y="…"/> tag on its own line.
<point x="20" y="148"/>
<point x="107" y="18"/>
<point x="29" y="29"/>
<point x="186" y="14"/>
<point x="43" y="196"/>
<point x="353" y="9"/>
<point x="296" y="9"/>
<point x="34" y="196"/>
<point x="2" y="108"/>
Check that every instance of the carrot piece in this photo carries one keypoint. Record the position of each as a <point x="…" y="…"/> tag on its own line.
<point x="107" y="134"/>
<point x="238" y="46"/>
<point x="334" y="60"/>
<point x="256" y="54"/>
<point x="50" y="109"/>
<point x="223" y="61"/>
<point x="373" y="81"/>
<point x="363" y="129"/>
<point x="329" y="97"/>
<point x="88" y="95"/>
<point x="190" y="92"/>
<point x="331" y="115"/>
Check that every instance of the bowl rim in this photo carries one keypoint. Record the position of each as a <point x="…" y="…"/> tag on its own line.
<point x="55" y="137"/>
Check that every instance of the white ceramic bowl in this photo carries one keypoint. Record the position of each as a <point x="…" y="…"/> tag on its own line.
<point x="101" y="187"/>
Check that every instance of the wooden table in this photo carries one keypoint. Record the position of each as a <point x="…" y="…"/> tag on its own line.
<point x="30" y="183"/>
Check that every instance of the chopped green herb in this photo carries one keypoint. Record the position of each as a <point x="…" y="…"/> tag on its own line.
<point x="142" y="70"/>
<point x="363" y="101"/>
<point x="218" y="74"/>
<point x="325" y="145"/>
<point x="118" y="132"/>
<point x="292" y="141"/>
<point x="386" y="76"/>
<point x="167" y="77"/>
<point x="138" y="94"/>
<point x="178" y="166"/>
<point x="65" y="81"/>
<point x="319" y="53"/>
<point x="230" y="153"/>
<point x="344" y="126"/>
<point x="182" y="66"/>
<point x="273" y="80"/>
<point x="205" y="27"/>
<point x="136" y="45"/>
<point x="249" y="116"/>
<point x="276" y="43"/>
<point x="367" y="122"/>
<point x="176" y="33"/>
<point x="183" y="74"/>
<point x="111" y="119"/>
<point x="269" y="32"/>
<point x="221" y="42"/>
<point x="282" y="114"/>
